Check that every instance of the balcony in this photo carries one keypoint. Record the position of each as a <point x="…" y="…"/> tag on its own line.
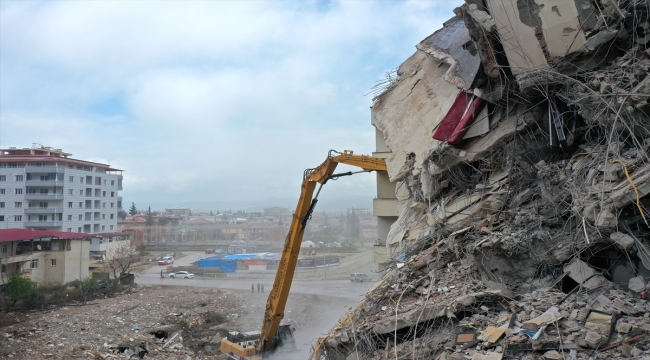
<point x="384" y="207"/>
<point x="42" y="224"/>
<point x="38" y="196"/>
<point x="43" y="210"/>
<point x="44" y="182"/>
<point x="44" y="169"/>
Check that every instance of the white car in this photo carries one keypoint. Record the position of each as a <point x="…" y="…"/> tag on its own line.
<point x="182" y="275"/>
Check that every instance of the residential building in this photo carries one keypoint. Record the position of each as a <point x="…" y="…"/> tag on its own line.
<point x="45" y="256"/>
<point x="384" y="206"/>
<point x="180" y="211"/>
<point x="43" y="188"/>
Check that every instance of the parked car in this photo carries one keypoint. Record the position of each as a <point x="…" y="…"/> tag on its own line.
<point x="166" y="260"/>
<point x="182" y="275"/>
<point x="209" y="251"/>
<point x="101" y="284"/>
<point x="359" y="277"/>
<point x="162" y="262"/>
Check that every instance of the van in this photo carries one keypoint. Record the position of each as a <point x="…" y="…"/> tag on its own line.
<point x="168" y="259"/>
<point x="359" y="277"/>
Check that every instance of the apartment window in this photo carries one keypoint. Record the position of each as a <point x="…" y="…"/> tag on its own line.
<point x="52" y="262"/>
<point x="103" y="216"/>
<point x="70" y="217"/>
<point x="19" y="191"/>
<point x="2" y="205"/>
<point x="112" y="204"/>
<point x="3" y="177"/>
<point x="55" y="244"/>
<point x="104" y="182"/>
<point x="81" y="179"/>
<point x="3" y="249"/>
<point x="103" y="205"/>
<point x="103" y="193"/>
<point x="103" y="227"/>
<point x="112" y="216"/>
<point x="12" y="165"/>
<point x="70" y="192"/>
<point x="3" y="269"/>
<point x="81" y="192"/>
<point x="79" y="229"/>
<point x="2" y="218"/>
<point x="111" y="227"/>
<point x="71" y="178"/>
<point x="2" y="191"/>
<point x="112" y="182"/>
<point x="19" y="178"/>
<point x="81" y="204"/>
<point x="18" y="204"/>
<point x="18" y="218"/>
<point x="112" y="194"/>
<point x="80" y="217"/>
<point x="34" y="264"/>
<point x="70" y="204"/>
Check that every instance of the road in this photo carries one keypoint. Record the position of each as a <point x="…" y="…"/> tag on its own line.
<point x="315" y="306"/>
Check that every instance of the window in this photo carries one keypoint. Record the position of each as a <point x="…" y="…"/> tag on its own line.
<point x="18" y="204"/>
<point x="81" y="204"/>
<point x="103" y="227"/>
<point x="80" y="217"/>
<point x="3" y="249"/>
<point x="55" y="244"/>
<point x="70" y="204"/>
<point x="18" y="218"/>
<point x="104" y="182"/>
<point x="103" y="216"/>
<point x="103" y="205"/>
<point x="52" y="262"/>
<point x="69" y="229"/>
<point x="112" y="182"/>
<point x="81" y="192"/>
<point x="79" y="228"/>
<point x="43" y="191"/>
<point x="12" y="165"/>
<point x="3" y="269"/>
<point x="19" y="191"/>
<point x="2" y="191"/>
<point x="112" y="204"/>
<point x="112" y="193"/>
<point x="112" y="216"/>
<point x="19" y="178"/>
<point x="71" y="178"/>
<point x="104" y="193"/>
<point x="111" y="227"/>
<point x="70" y="217"/>
<point x="2" y="218"/>
<point x="70" y="192"/>
<point x="34" y="264"/>
<point x="81" y="179"/>
<point x="3" y="177"/>
<point x="2" y="205"/>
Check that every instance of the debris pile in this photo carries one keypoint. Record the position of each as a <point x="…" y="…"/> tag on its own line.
<point x="519" y="137"/>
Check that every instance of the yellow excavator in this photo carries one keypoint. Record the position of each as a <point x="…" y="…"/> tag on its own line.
<point x="255" y="345"/>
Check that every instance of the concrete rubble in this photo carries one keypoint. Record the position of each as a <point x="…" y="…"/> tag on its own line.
<point x="522" y="231"/>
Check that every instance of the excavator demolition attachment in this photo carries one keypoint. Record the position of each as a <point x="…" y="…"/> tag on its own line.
<point x="254" y="345"/>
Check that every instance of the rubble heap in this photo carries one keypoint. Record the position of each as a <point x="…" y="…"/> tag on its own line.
<point x="519" y="137"/>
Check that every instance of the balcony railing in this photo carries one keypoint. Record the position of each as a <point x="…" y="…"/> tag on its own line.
<point x="45" y="169"/>
<point x="38" y="196"/>
<point x="38" y="182"/>
<point x="43" y="210"/>
<point x="41" y="224"/>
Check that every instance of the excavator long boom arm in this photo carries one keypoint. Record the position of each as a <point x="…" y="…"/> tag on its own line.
<point x="280" y="291"/>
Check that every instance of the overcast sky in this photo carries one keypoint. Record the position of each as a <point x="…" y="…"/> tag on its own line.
<point x="203" y="101"/>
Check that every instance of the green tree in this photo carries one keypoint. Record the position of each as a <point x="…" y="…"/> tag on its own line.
<point x="163" y="221"/>
<point x="149" y="217"/>
<point x="19" y="288"/>
<point x="133" y="210"/>
<point x="352" y="224"/>
<point x="211" y="213"/>
<point x="122" y="214"/>
<point x="87" y="286"/>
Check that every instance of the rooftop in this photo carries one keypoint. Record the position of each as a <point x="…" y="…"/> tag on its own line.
<point x="28" y="234"/>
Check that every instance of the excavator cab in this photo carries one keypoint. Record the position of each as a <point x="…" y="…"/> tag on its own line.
<point x="284" y="340"/>
<point x="238" y="345"/>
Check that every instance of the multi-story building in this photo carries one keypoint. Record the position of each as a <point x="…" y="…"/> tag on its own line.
<point x="385" y="205"/>
<point x="45" y="189"/>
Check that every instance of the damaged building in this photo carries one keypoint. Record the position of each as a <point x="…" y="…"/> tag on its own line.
<point x="517" y="139"/>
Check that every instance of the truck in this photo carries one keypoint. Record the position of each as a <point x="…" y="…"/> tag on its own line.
<point x="274" y="336"/>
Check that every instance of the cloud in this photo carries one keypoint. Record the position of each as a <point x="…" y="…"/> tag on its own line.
<point x="203" y="100"/>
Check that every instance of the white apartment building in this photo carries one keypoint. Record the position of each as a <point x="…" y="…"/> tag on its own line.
<point x="44" y="189"/>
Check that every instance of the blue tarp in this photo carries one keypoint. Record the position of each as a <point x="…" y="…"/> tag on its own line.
<point x="226" y="265"/>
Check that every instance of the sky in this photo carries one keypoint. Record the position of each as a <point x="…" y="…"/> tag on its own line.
<point x="205" y="103"/>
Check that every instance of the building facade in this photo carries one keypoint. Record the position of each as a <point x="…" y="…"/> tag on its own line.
<point x="44" y="189"/>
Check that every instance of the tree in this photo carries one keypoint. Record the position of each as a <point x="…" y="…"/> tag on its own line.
<point x="211" y="213"/>
<point x="87" y="286"/>
<point x="163" y="221"/>
<point x="122" y="214"/>
<point x="19" y="287"/>
<point x="149" y="217"/>
<point x="352" y="224"/>
<point x="122" y="258"/>
<point x="133" y="210"/>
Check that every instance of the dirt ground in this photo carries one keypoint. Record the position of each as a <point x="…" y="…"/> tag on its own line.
<point x="155" y="322"/>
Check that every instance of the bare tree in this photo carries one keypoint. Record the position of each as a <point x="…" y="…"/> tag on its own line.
<point x="122" y="258"/>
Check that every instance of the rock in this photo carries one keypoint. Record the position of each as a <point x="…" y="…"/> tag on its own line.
<point x="636" y="352"/>
<point x="553" y="355"/>
<point x="593" y="339"/>
<point x="636" y="284"/>
<point x="623" y="327"/>
<point x="623" y="240"/>
<point x="626" y="349"/>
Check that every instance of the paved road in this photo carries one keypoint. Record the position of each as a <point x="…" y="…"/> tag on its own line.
<point x="339" y="288"/>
